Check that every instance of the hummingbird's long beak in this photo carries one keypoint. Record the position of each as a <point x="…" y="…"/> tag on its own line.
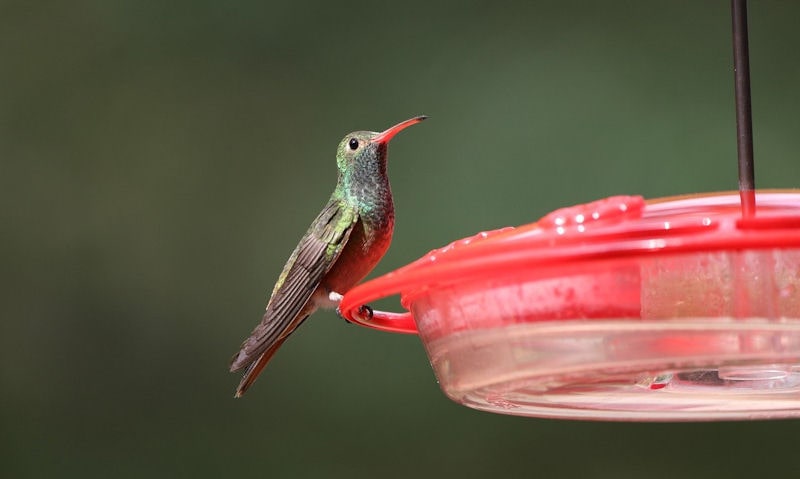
<point x="386" y="135"/>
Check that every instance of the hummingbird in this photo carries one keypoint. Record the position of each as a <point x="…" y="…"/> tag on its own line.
<point x="343" y="244"/>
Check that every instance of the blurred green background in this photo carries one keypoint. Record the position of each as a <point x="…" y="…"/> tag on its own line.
<point x="159" y="160"/>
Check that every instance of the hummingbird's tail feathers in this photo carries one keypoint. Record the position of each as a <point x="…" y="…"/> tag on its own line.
<point x="254" y="369"/>
<point x="270" y="331"/>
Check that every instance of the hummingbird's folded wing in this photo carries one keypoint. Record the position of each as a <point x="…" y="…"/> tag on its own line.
<point x="311" y="260"/>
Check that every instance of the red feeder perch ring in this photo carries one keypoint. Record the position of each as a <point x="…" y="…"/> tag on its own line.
<point x="672" y="309"/>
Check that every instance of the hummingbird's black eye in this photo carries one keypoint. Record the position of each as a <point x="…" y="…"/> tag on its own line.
<point x="353" y="143"/>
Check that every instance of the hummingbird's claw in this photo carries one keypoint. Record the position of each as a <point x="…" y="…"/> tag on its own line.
<point x="336" y="299"/>
<point x="366" y="312"/>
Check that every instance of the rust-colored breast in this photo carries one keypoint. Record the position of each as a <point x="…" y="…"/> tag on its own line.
<point x="364" y="249"/>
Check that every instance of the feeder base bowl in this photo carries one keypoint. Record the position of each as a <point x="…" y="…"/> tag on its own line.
<point x="614" y="370"/>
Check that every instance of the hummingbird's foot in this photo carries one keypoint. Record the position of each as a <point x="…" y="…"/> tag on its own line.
<point x="335" y="297"/>
<point x="365" y="312"/>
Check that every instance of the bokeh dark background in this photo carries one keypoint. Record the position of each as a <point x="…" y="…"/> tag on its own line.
<point x="159" y="160"/>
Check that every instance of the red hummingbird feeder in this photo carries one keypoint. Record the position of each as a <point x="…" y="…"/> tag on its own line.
<point x="676" y="309"/>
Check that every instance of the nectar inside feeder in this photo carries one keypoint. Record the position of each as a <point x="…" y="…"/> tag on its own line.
<point x="673" y="309"/>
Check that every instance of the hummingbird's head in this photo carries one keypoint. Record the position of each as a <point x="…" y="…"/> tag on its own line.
<point x="364" y="152"/>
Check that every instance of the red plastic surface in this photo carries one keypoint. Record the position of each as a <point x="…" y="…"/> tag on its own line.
<point x="615" y="229"/>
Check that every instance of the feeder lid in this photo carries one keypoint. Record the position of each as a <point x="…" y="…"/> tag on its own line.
<point x="615" y="227"/>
